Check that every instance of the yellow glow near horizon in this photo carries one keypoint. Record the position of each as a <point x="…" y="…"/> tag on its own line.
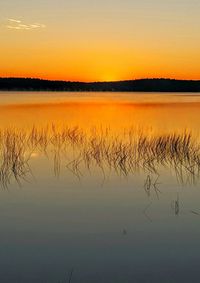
<point x="105" y="41"/>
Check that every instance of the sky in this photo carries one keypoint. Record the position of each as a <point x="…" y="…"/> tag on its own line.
<point x="104" y="40"/>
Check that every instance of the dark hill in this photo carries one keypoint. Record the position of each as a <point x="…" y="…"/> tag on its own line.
<point x="149" y="85"/>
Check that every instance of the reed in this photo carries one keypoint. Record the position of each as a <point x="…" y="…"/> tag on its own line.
<point x="126" y="153"/>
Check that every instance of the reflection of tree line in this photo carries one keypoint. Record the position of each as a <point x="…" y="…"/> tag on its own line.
<point x="125" y="154"/>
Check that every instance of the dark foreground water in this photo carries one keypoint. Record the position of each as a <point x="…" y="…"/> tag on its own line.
<point x="79" y="204"/>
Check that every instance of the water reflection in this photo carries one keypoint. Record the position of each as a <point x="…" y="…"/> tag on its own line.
<point x="104" y="191"/>
<point x="131" y="152"/>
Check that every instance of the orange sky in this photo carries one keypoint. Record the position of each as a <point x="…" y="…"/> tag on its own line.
<point x="95" y="41"/>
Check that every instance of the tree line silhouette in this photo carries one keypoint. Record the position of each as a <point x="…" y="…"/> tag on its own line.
<point x="149" y="85"/>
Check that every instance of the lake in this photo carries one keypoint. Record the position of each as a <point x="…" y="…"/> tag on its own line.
<point x="99" y="187"/>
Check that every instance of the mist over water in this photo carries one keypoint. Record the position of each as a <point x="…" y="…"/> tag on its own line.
<point x="99" y="187"/>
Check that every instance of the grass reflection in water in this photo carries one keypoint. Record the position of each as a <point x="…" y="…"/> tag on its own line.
<point x="131" y="151"/>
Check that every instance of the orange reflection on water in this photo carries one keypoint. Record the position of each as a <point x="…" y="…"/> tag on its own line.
<point x="116" y="115"/>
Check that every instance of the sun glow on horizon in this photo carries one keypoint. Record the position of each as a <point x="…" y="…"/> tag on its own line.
<point x="106" y="41"/>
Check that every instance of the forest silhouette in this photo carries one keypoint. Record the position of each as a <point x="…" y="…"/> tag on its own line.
<point x="149" y="85"/>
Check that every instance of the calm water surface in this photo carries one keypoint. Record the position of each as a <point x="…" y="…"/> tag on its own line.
<point x="64" y="221"/>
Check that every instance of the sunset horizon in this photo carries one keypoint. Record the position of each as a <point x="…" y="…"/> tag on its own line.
<point x="102" y="81"/>
<point x="101" y="78"/>
<point x="103" y="41"/>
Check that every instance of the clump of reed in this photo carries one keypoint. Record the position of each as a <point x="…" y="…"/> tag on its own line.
<point x="124" y="153"/>
<point x="13" y="158"/>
